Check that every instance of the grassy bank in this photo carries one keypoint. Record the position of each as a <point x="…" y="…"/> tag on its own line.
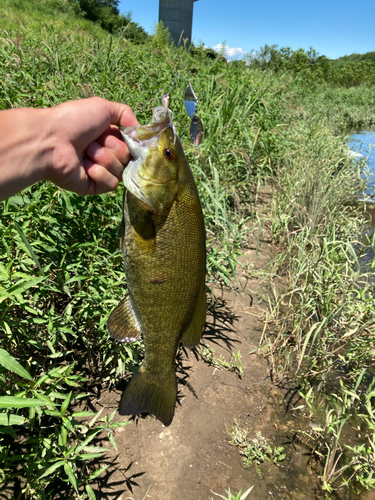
<point x="320" y="324"/>
<point x="61" y="271"/>
<point x="321" y="321"/>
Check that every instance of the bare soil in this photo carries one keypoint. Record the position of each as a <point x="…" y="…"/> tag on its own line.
<point x="192" y="458"/>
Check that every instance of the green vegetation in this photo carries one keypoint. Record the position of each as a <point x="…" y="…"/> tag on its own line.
<point x="61" y="272"/>
<point x="256" y="449"/>
<point x="105" y="13"/>
<point x="233" y="365"/>
<point x="231" y="496"/>
<point x="354" y="58"/>
<point x="348" y="71"/>
<point x="321" y="313"/>
<point x="87" y="17"/>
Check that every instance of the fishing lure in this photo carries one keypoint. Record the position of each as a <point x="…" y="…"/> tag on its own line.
<point x="191" y="105"/>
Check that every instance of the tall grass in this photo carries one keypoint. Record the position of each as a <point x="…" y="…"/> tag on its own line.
<point x="61" y="272"/>
<point x="321" y="316"/>
<point x="19" y="16"/>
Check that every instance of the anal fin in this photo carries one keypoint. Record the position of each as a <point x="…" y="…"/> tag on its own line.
<point x="122" y="323"/>
<point x="193" y="333"/>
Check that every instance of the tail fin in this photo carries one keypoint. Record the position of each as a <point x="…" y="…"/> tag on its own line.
<point x="149" y="393"/>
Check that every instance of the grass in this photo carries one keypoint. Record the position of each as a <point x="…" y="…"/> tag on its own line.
<point x="56" y="16"/>
<point x="321" y="313"/>
<point x="61" y="271"/>
<point x="254" y="450"/>
<point x="238" y="496"/>
<point x="233" y="365"/>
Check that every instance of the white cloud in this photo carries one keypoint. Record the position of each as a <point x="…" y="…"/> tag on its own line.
<point x="230" y="53"/>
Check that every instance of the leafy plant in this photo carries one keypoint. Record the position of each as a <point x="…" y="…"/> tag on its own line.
<point x="256" y="449"/>
<point x="231" y="496"/>
<point x="234" y="364"/>
<point x="161" y="36"/>
<point x="56" y="445"/>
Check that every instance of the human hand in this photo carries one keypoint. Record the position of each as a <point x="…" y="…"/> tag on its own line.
<point x="89" y="155"/>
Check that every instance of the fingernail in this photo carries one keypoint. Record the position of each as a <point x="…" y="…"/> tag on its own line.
<point x="111" y="142"/>
<point x="95" y="149"/>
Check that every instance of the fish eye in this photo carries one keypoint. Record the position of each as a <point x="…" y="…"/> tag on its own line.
<point x="169" y="153"/>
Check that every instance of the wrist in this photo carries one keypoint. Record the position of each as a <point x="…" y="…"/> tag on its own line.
<point x="43" y="143"/>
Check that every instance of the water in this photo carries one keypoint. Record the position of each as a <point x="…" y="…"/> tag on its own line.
<point x="363" y="143"/>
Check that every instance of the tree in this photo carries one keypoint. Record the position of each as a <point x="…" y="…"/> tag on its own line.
<point x="107" y="13"/>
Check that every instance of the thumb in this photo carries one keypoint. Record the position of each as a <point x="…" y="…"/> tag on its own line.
<point x="120" y="114"/>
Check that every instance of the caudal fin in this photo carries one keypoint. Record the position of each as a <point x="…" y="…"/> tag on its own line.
<point x="148" y="393"/>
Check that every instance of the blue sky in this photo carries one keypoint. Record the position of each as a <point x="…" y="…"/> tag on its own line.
<point x="333" y="28"/>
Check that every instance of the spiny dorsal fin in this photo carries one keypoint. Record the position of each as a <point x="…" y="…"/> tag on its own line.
<point x="122" y="323"/>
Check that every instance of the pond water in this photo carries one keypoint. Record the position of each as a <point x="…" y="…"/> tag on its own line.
<point x="363" y="144"/>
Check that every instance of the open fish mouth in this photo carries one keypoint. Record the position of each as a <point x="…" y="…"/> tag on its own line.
<point x="140" y="141"/>
<point x="144" y="137"/>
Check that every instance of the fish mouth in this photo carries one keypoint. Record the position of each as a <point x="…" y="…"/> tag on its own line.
<point x="144" y="137"/>
<point x="140" y="140"/>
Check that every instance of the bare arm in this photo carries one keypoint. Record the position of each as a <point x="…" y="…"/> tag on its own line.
<point x="75" y="145"/>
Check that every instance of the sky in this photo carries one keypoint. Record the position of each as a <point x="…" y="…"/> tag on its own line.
<point x="334" y="28"/>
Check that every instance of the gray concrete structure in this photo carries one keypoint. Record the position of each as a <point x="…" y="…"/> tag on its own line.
<point x="177" y="16"/>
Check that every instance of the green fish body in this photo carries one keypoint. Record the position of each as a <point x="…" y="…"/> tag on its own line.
<point x="163" y="242"/>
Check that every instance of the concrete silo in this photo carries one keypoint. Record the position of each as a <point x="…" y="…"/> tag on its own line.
<point x="177" y="16"/>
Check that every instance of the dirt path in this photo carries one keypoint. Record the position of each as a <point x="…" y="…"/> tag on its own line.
<point x="193" y="458"/>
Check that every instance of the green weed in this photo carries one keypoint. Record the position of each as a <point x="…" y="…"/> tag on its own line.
<point x="233" y="365"/>
<point x="57" y="443"/>
<point x="320" y="319"/>
<point x="232" y="496"/>
<point x="255" y="449"/>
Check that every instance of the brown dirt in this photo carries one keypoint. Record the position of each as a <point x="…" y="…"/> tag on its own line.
<point x="192" y="458"/>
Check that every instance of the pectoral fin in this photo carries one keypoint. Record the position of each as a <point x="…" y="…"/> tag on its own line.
<point x="122" y="323"/>
<point x="192" y="335"/>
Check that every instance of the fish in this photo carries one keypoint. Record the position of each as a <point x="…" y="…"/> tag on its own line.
<point x="163" y="241"/>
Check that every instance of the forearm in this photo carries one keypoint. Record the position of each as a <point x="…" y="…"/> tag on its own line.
<point x="26" y="148"/>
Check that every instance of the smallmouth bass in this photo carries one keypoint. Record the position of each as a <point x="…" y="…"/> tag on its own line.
<point x="163" y="243"/>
